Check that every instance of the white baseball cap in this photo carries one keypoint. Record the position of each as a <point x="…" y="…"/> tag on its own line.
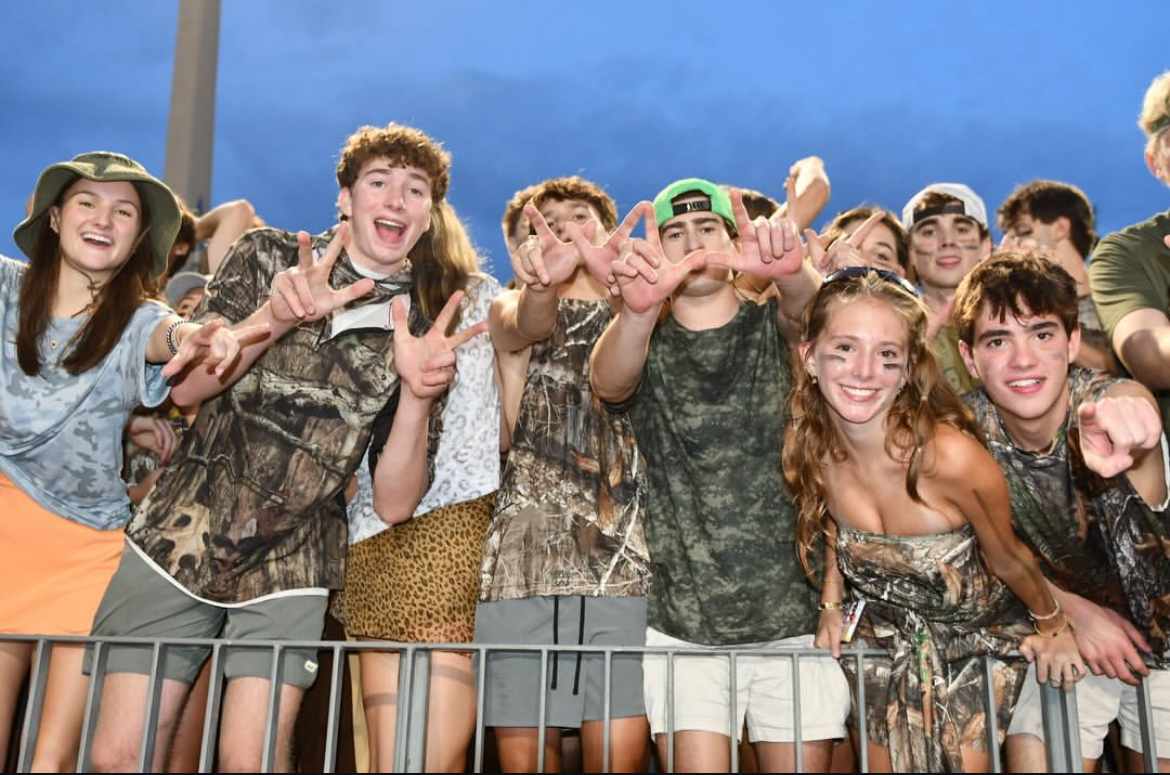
<point x="971" y="205"/>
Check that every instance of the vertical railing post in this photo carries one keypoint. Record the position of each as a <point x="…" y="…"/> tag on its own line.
<point x="36" y="701"/>
<point x="416" y="703"/>
<point x="1061" y="731"/>
<point x="336" y="676"/>
<point x="1146" y="722"/>
<point x="271" y="728"/>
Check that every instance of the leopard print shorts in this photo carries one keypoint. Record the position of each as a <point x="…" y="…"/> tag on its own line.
<point x="418" y="582"/>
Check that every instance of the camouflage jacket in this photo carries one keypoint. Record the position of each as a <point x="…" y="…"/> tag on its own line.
<point x="250" y="504"/>
<point x="569" y="516"/>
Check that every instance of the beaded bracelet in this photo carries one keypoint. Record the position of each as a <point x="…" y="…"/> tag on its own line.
<point x="171" y="329"/>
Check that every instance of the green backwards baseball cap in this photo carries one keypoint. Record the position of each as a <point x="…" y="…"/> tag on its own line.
<point x="717" y="202"/>
<point x="102" y="166"/>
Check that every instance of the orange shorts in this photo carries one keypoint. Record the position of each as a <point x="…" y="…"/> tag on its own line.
<point x="55" y="570"/>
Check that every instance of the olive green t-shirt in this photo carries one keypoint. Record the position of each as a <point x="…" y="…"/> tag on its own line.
<point x="709" y="416"/>
<point x="1130" y="271"/>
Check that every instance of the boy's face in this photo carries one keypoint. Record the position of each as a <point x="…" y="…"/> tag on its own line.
<point x="694" y="230"/>
<point x="697" y="230"/>
<point x="1027" y="233"/>
<point x="1158" y="159"/>
<point x="389" y="209"/>
<point x="944" y="248"/>
<point x="1023" y="363"/>
<point x="559" y="213"/>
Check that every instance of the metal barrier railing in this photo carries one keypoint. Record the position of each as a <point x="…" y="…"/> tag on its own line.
<point x="1059" y="709"/>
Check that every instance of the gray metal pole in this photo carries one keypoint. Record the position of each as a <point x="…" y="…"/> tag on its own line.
<point x="192" y="119"/>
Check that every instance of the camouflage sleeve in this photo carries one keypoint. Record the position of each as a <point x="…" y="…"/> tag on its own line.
<point x="243" y="281"/>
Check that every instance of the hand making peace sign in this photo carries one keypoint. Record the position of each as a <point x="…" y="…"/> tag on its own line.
<point x="426" y="364"/>
<point x="302" y="293"/>
<point x="644" y="275"/>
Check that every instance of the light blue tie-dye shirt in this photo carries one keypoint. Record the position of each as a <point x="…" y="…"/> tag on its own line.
<point x="60" y="434"/>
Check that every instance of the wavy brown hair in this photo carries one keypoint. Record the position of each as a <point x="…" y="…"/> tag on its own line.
<point x="811" y="442"/>
<point x="113" y="307"/>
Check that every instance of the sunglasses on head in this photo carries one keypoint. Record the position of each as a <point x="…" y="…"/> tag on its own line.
<point x="852" y="272"/>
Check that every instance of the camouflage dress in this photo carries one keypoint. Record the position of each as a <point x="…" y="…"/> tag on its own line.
<point x="935" y="607"/>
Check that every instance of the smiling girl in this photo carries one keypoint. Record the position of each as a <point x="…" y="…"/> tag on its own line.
<point x="884" y="464"/>
<point x="83" y="345"/>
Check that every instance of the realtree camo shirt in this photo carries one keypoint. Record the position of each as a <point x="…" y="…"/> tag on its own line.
<point x="249" y="506"/>
<point x="569" y="516"/>
<point x="1094" y="537"/>
<point x="710" y="415"/>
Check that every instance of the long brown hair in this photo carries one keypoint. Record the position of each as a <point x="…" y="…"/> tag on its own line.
<point x="442" y="261"/>
<point x="113" y="307"/>
<point x="811" y="440"/>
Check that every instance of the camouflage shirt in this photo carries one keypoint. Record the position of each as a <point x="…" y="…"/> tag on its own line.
<point x="1094" y="537"/>
<point x="709" y="414"/>
<point x="250" y="504"/>
<point x="569" y="516"/>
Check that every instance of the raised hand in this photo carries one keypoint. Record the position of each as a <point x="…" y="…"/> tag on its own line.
<point x="426" y="364"/>
<point x="599" y="259"/>
<point x="544" y="259"/>
<point x="1113" y="428"/>
<point x="302" y="292"/>
<point x="644" y="275"/>
<point x="214" y="343"/>
<point x="768" y="248"/>
<point x="843" y="251"/>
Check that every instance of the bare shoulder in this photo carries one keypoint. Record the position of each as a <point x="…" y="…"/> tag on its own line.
<point x="957" y="457"/>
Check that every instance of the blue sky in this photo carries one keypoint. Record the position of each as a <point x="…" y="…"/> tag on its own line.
<point x="892" y="95"/>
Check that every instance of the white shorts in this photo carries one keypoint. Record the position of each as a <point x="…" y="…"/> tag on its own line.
<point x="763" y="684"/>
<point x="1100" y="700"/>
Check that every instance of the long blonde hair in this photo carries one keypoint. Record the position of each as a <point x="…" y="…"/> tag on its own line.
<point x="811" y="439"/>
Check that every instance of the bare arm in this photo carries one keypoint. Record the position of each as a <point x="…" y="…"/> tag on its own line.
<point x="646" y="279"/>
<point x="615" y="367"/>
<point x="426" y="366"/>
<point x="1142" y="341"/>
<point x="831" y="624"/>
<point x="810" y="191"/>
<point x="977" y="488"/>
<point x="519" y="318"/>
<point x="221" y="226"/>
<point x="400" y="478"/>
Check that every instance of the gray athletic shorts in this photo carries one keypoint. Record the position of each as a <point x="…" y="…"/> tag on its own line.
<point x="142" y="603"/>
<point x="575" y="683"/>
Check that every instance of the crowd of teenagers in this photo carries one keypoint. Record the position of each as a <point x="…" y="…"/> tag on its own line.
<point x="728" y="433"/>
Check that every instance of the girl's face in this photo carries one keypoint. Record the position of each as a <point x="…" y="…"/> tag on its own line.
<point x="98" y="225"/>
<point x="860" y="360"/>
<point x="879" y="248"/>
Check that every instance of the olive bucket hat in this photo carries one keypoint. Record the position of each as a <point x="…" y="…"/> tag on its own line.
<point x="104" y="166"/>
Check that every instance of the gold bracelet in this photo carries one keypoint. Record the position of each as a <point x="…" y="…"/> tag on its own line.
<point x="831" y="605"/>
<point x="1053" y="615"/>
<point x="1066" y="626"/>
